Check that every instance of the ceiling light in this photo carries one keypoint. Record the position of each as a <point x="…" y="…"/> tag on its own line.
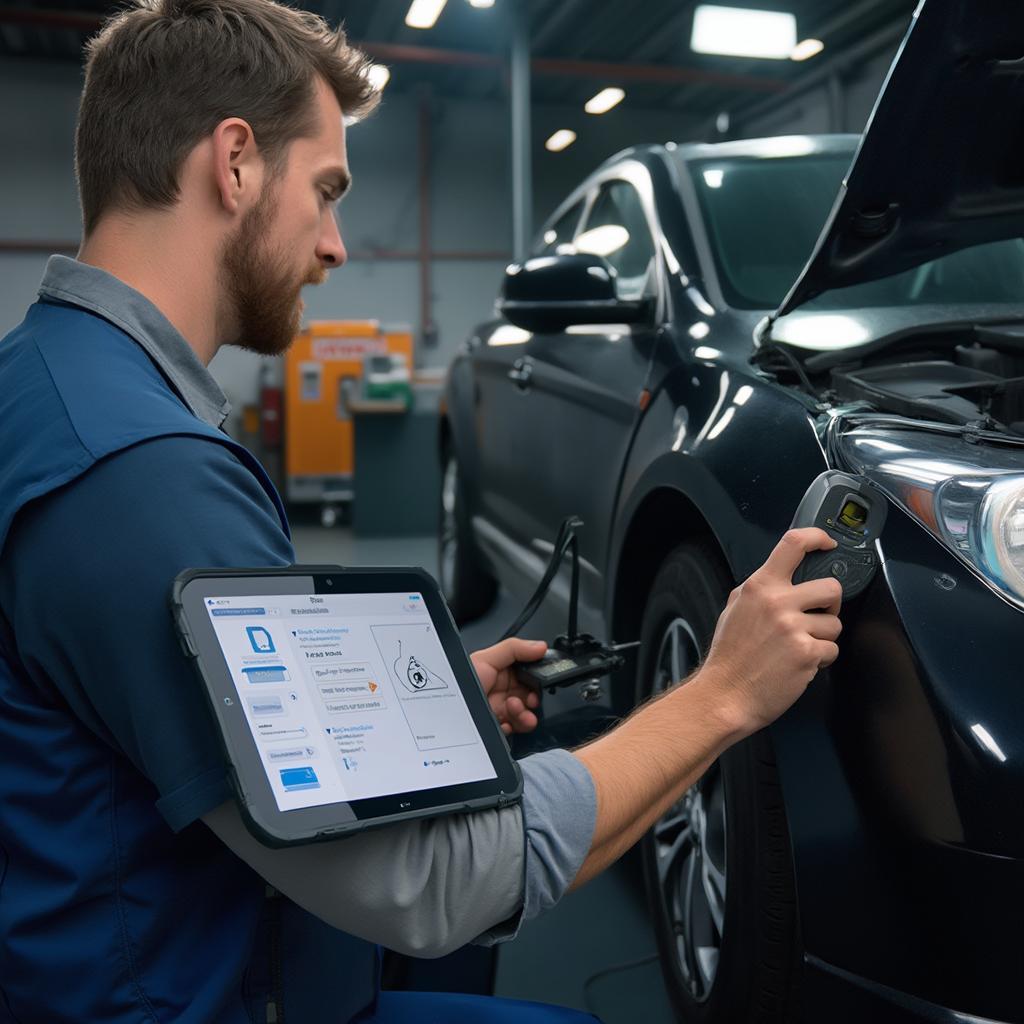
<point x="738" y="32"/>
<point x="481" y="3"/>
<point x="806" y="48"/>
<point x="562" y="138"/>
<point x="713" y="177"/>
<point x="604" y="100"/>
<point x="423" y="13"/>
<point x="378" y="76"/>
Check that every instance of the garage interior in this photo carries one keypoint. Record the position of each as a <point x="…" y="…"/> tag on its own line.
<point x="454" y="175"/>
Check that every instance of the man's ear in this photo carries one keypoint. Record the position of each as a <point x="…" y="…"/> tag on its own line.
<point x="237" y="165"/>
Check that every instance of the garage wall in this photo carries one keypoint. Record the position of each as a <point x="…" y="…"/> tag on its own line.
<point x="470" y="201"/>
<point x="841" y="106"/>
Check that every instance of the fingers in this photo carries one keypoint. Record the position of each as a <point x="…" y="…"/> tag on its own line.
<point x="517" y="717"/>
<point x="827" y="653"/>
<point x="822" y="627"/>
<point x="825" y="593"/>
<point x="790" y="551"/>
<point x="503" y="654"/>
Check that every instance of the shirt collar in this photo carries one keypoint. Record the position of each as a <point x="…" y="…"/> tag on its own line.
<point x="80" y="284"/>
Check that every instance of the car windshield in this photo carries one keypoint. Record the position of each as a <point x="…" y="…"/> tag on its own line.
<point x="763" y="216"/>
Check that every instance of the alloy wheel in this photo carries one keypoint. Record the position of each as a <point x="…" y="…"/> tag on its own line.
<point x="689" y="842"/>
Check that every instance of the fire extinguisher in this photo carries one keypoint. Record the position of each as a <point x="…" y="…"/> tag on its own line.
<point x="271" y="411"/>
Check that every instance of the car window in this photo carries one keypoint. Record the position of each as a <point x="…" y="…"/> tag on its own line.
<point x="616" y="228"/>
<point x="558" y="237"/>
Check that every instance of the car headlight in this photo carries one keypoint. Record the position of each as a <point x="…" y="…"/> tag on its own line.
<point x="970" y="498"/>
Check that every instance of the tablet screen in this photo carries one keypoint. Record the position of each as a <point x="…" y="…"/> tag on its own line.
<point x="347" y="696"/>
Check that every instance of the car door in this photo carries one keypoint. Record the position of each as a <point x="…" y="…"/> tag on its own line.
<point x="504" y="407"/>
<point x="584" y="387"/>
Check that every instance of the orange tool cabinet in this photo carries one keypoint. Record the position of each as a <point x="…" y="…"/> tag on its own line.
<point x="323" y="373"/>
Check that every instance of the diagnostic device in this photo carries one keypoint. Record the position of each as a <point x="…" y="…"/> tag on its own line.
<point x="344" y="698"/>
<point x="851" y="510"/>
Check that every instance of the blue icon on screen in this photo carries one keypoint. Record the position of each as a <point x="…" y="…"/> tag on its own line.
<point x="294" y="779"/>
<point x="262" y="642"/>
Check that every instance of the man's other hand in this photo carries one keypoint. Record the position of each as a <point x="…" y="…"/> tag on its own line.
<point x="511" y="701"/>
<point x="773" y="637"/>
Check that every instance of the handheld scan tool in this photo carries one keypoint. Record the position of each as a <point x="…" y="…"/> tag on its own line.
<point x="852" y="512"/>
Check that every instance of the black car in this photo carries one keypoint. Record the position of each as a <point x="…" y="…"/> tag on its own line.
<point x="863" y="859"/>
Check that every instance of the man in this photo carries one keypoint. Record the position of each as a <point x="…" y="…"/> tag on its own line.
<point x="210" y="157"/>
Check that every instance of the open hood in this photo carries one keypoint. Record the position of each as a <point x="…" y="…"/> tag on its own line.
<point x="941" y="163"/>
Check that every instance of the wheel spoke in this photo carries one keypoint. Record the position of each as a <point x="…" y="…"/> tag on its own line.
<point x="669" y="860"/>
<point x="713" y="884"/>
<point x="686" y="937"/>
<point x="707" y="958"/>
<point x="677" y="818"/>
<point x="676" y="649"/>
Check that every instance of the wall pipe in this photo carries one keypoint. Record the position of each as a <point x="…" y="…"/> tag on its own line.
<point x="428" y="330"/>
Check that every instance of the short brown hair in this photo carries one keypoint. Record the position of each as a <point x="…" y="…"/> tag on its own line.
<point x="163" y="74"/>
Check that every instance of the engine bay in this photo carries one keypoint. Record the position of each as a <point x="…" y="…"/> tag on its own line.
<point x="973" y="375"/>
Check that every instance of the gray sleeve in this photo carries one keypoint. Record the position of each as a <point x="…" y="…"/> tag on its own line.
<point x="427" y="887"/>
<point x="559" y="812"/>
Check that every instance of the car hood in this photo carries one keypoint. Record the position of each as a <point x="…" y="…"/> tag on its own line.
<point x="941" y="163"/>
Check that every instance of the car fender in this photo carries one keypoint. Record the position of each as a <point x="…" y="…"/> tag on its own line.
<point x="694" y="441"/>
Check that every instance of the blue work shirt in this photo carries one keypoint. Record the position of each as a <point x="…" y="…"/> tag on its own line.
<point x="115" y="904"/>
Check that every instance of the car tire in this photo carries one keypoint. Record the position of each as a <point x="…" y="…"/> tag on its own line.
<point x="467" y="585"/>
<point x="737" y="958"/>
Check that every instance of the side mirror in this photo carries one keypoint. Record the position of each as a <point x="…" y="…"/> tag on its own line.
<point x="549" y="293"/>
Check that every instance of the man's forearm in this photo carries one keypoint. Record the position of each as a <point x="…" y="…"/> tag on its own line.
<point x="644" y="766"/>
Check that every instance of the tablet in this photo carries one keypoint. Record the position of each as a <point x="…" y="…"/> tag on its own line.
<point x="344" y="698"/>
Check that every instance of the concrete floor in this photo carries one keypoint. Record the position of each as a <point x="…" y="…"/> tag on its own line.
<point x="561" y="957"/>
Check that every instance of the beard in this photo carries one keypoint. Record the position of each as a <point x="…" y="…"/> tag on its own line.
<point x="261" y="285"/>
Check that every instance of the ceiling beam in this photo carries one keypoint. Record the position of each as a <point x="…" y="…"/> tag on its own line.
<point x="398" y="53"/>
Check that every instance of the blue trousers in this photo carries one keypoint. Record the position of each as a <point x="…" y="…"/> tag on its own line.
<point x="458" y="1008"/>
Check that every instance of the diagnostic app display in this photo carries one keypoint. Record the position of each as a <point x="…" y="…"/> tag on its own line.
<point x="347" y="696"/>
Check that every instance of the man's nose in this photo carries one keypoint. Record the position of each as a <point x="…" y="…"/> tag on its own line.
<point x="330" y="250"/>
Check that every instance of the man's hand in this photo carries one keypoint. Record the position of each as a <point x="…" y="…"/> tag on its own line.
<point x="773" y="636"/>
<point x="510" y="700"/>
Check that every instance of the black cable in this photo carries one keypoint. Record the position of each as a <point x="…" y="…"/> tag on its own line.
<point x="566" y="537"/>
<point x="574" y="589"/>
<point x="613" y="969"/>
<point x="792" y="362"/>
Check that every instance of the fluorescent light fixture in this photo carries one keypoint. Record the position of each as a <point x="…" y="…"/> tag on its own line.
<point x="562" y="138"/>
<point x="713" y="177"/>
<point x="378" y="76"/>
<point x="806" y="48"/>
<point x="602" y="240"/>
<point x="423" y="13"/>
<point x="481" y="3"/>
<point x="739" y="32"/>
<point x="604" y="100"/>
<point x="699" y="330"/>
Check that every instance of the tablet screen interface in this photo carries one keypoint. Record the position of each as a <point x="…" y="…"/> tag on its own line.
<point x="347" y="696"/>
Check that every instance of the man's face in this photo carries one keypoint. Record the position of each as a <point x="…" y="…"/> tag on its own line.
<point x="290" y="237"/>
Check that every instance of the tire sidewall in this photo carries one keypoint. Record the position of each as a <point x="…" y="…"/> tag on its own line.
<point x="693" y="583"/>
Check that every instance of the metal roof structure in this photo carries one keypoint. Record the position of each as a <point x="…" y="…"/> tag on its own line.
<point x="577" y="46"/>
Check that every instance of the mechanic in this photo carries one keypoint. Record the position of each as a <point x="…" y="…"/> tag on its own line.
<point x="210" y="156"/>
